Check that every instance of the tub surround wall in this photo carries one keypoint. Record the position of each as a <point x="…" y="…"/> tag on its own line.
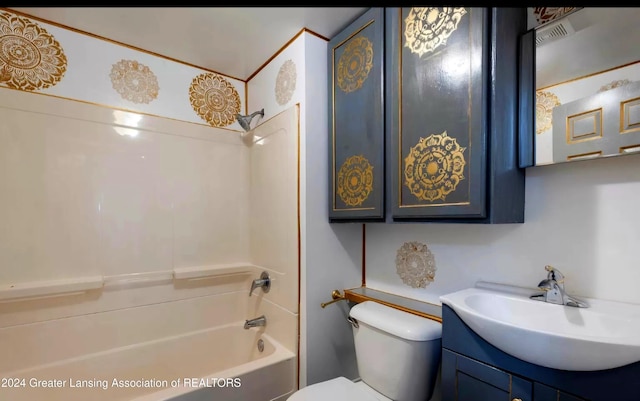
<point x="581" y="217"/>
<point x="93" y="195"/>
<point x="330" y="255"/>
<point x="82" y="67"/>
<point x="273" y="206"/>
<point x="83" y="335"/>
<point x="273" y="233"/>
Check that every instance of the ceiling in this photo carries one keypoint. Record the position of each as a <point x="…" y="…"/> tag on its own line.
<point x="234" y="41"/>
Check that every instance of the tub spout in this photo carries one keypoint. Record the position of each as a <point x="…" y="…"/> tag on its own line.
<point x="259" y="321"/>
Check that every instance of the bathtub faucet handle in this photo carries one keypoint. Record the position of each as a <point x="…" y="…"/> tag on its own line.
<point x="264" y="281"/>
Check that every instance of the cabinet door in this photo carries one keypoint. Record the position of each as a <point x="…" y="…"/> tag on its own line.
<point x="542" y="392"/>
<point x="437" y="74"/>
<point x="464" y="379"/>
<point x="356" y="120"/>
<point x="568" y="397"/>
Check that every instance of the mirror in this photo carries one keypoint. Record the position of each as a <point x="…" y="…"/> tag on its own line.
<point x="587" y="82"/>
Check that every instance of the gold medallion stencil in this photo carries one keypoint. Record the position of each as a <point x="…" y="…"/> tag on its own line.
<point x="355" y="63"/>
<point x="214" y="99"/>
<point x="30" y="57"/>
<point x="614" y="84"/>
<point x="415" y="264"/>
<point x="355" y="180"/>
<point x="434" y="167"/>
<point x="134" y="81"/>
<point x="546" y="14"/>
<point x="427" y="28"/>
<point x="545" y="102"/>
<point x="286" y="82"/>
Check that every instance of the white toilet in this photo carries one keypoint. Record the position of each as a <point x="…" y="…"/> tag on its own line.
<point x="398" y="357"/>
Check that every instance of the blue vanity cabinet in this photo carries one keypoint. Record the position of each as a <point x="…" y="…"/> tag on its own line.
<point x="465" y="379"/>
<point x="470" y="380"/>
<point x="471" y="364"/>
<point x="546" y="393"/>
<point x="451" y="114"/>
<point x="356" y="120"/>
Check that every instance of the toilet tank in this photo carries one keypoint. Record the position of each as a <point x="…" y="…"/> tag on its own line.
<point x="398" y="354"/>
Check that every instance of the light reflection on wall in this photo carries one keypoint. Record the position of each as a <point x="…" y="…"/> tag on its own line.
<point x="123" y="120"/>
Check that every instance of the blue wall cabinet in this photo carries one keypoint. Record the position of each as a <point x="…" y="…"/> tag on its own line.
<point x="452" y="114"/>
<point x="423" y="116"/>
<point x="470" y="365"/>
<point x="356" y="120"/>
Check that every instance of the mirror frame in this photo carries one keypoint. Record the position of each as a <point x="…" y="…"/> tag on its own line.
<point x="527" y="100"/>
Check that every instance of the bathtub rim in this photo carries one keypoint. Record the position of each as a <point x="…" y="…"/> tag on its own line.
<point x="280" y="354"/>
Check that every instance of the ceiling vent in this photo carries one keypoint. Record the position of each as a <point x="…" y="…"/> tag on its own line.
<point x="553" y="32"/>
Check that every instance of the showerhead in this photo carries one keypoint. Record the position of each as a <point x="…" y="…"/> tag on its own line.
<point x="245" y="121"/>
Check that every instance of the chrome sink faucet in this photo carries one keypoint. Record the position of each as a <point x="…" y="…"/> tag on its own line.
<point x="259" y="321"/>
<point x="264" y="281"/>
<point x="553" y="287"/>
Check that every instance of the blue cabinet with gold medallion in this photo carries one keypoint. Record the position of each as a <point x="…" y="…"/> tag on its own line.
<point x="356" y="119"/>
<point x="445" y="147"/>
<point x="452" y="108"/>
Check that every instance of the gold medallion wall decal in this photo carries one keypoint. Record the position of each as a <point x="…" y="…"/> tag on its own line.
<point x="427" y="28"/>
<point x="545" y="102"/>
<point x="286" y="82"/>
<point x="30" y="57"/>
<point x="614" y="84"/>
<point x="134" y="81"/>
<point x="415" y="264"/>
<point x="355" y="180"/>
<point x="546" y="14"/>
<point x="434" y="167"/>
<point x="355" y="63"/>
<point x="214" y="99"/>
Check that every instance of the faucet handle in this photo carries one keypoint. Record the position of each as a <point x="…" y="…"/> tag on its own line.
<point x="264" y="281"/>
<point x="554" y="274"/>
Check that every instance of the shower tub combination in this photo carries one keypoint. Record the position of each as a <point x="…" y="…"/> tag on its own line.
<point x="221" y="363"/>
<point x="175" y="343"/>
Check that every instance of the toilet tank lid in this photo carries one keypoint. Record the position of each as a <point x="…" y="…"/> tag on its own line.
<point x="396" y="322"/>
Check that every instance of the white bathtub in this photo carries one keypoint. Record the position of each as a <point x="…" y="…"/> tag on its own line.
<point x="222" y="363"/>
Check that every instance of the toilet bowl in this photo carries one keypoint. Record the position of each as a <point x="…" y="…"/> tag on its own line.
<point x="338" y="389"/>
<point x="397" y="353"/>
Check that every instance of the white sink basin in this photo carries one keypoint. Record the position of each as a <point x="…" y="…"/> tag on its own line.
<point x="605" y="335"/>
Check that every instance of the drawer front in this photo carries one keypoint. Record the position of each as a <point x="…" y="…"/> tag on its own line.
<point x="356" y="119"/>
<point x="436" y="110"/>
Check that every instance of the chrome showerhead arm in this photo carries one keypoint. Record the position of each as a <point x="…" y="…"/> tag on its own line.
<point x="245" y="121"/>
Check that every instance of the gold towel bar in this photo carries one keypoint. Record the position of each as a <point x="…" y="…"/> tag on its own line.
<point x="336" y="296"/>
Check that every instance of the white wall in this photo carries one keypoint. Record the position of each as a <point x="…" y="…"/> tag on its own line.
<point x="333" y="252"/>
<point x="581" y="217"/>
<point x="262" y="87"/>
<point x="89" y="63"/>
